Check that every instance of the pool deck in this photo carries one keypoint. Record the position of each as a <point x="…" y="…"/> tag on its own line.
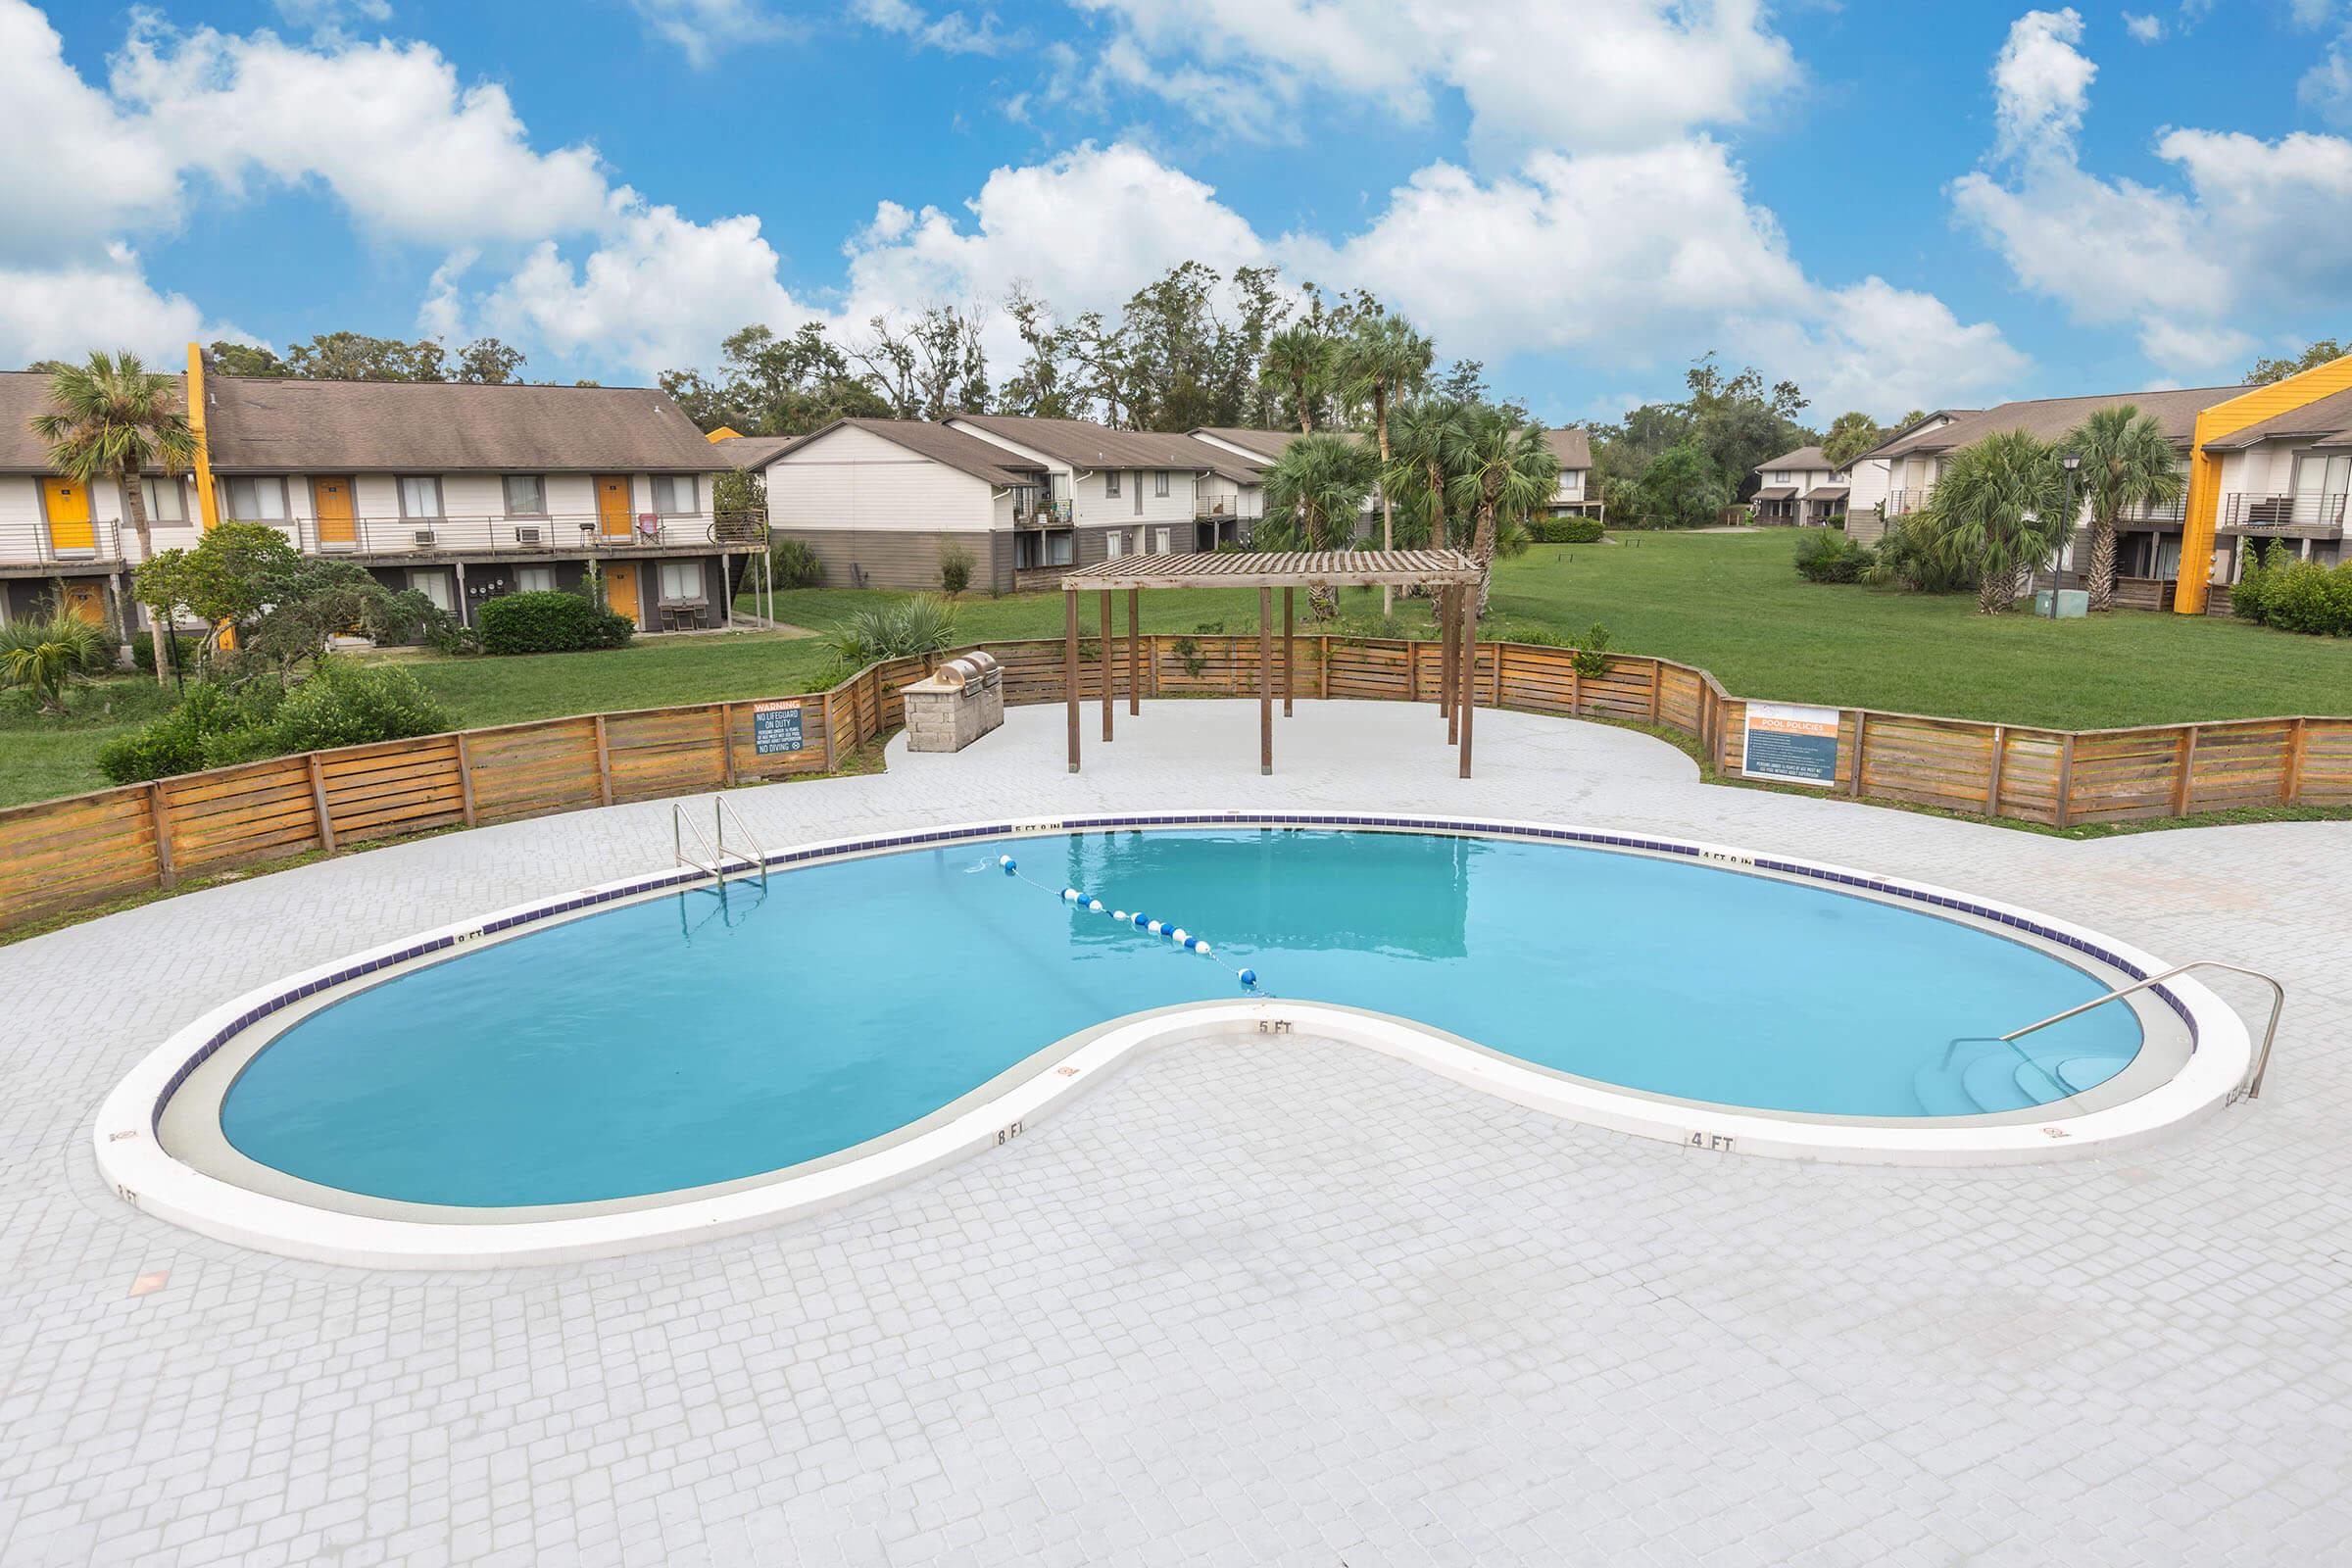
<point x="1284" y="1303"/>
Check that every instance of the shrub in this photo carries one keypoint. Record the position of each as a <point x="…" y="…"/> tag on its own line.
<point x="2304" y="597"/>
<point x="955" y="570"/>
<point x="549" y="622"/>
<point x="922" y="624"/>
<point x="45" y="654"/>
<point x="795" y="565"/>
<point x="1592" y="656"/>
<point x="1907" y="558"/>
<point x="193" y="734"/>
<point x="2251" y="599"/>
<point x="347" y="703"/>
<point x="1825" y="554"/>
<point x="1564" y="530"/>
<point x="142" y="650"/>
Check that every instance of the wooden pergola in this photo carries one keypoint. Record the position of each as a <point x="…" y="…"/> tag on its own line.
<point x="1451" y="573"/>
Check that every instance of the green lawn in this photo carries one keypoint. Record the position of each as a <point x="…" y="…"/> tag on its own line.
<point x="1730" y="603"/>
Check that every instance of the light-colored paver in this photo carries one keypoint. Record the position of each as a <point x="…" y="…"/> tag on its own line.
<point x="1272" y="1303"/>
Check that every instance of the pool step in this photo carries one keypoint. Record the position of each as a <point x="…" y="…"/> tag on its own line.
<point x="1990" y="1075"/>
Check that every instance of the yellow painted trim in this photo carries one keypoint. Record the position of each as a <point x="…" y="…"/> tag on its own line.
<point x="208" y="503"/>
<point x="2205" y="468"/>
<point x="722" y="433"/>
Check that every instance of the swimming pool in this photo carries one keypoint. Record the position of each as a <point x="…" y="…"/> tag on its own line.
<point x="636" y="1050"/>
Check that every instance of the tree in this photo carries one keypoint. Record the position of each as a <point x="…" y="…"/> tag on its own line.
<point x="245" y="359"/>
<point x="315" y="600"/>
<point x="1997" y="511"/>
<point x="1040" y="389"/>
<point x="486" y="361"/>
<point x="1681" y="488"/>
<point x="114" y="418"/>
<point x="1849" y="436"/>
<point x="2126" y="462"/>
<point x="1428" y="435"/>
<point x="231" y="575"/>
<point x="928" y="366"/>
<point x="44" y="653"/>
<point x="1501" y="469"/>
<point x="1314" y="492"/>
<point x="2268" y="371"/>
<point x="357" y="357"/>
<point x="774" y="385"/>
<point x="1381" y="359"/>
<point x="1298" y="360"/>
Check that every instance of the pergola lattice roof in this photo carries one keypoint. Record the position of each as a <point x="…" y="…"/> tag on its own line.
<point x="1299" y="569"/>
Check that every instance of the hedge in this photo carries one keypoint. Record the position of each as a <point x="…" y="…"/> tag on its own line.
<point x="549" y="622"/>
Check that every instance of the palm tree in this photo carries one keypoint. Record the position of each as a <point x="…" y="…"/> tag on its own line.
<point x="1427" y="432"/>
<point x="114" y="418"/>
<point x="1381" y="358"/>
<point x="1500" y="470"/>
<point x="1848" y="437"/>
<point x="43" y="654"/>
<point x="1316" y="490"/>
<point x="1297" y="360"/>
<point x="1997" y="511"/>
<point x="2126" y="462"/>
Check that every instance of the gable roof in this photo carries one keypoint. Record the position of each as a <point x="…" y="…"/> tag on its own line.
<point x="747" y="453"/>
<point x="1572" y="444"/>
<point x="23" y="395"/>
<point x="1801" y="458"/>
<point x="2330" y="416"/>
<point x="2174" y="410"/>
<point x="1084" y="443"/>
<point x="256" y="424"/>
<point x="1267" y="444"/>
<point x="966" y="454"/>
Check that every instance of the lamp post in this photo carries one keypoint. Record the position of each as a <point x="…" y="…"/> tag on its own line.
<point x="2066" y="530"/>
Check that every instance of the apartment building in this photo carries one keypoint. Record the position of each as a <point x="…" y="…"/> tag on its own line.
<point x="1801" y="489"/>
<point x="1574" y="495"/>
<point x="461" y="492"/>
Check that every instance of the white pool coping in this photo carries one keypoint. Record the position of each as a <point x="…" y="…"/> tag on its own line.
<point x="143" y="1173"/>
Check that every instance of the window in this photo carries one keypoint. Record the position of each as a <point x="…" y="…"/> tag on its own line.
<point x="673" y="493"/>
<point x="1780" y="476"/>
<point x="681" y="580"/>
<point x="1110" y="482"/>
<point x="434" y="585"/>
<point x="420" y="496"/>
<point x="1033" y="550"/>
<point x="1159" y="541"/>
<point x="526" y="494"/>
<point x="1114" y="544"/>
<point x="535" y="579"/>
<point x="165" y="501"/>
<point x="257" y="500"/>
<point x="1159" y="482"/>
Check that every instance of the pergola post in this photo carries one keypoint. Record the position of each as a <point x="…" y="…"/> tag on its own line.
<point x="1265" y="680"/>
<point x="1108" y="664"/>
<point x="1453" y="667"/>
<point x="1290" y="655"/>
<point x="1468" y="657"/>
<point x="1135" y="653"/>
<point x="1070" y="667"/>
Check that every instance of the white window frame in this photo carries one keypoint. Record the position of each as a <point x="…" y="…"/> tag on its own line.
<point x="1111" y="483"/>
<point x="1114" y="544"/>
<point x="1159" y="482"/>
<point x="419" y="577"/>
<point x="534" y="579"/>
<point x="154" y="489"/>
<point x="669" y="482"/>
<point x="506" y="487"/>
<point x="700" y="591"/>
<point x="1161" y="541"/>
<point x="400" y="485"/>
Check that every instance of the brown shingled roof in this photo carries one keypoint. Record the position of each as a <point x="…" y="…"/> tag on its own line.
<point x="1801" y="458"/>
<point x="256" y="424"/>
<point x="2176" y="411"/>
<point x="24" y="394"/>
<point x="1267" y="444"/>
<point x="968" y="454"/>
<point x="747" y="453"/>
<point x="2322" y="417"/>
<point x="1572" y="444"/>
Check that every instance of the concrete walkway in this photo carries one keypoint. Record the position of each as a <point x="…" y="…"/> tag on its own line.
<point x="1290" y="1303"/>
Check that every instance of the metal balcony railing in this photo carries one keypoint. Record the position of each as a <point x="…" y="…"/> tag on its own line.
<point x="37" y="546"/>
<point x="2305" y="515"/>
<point x="1211" y="506"/>
<point x="1904" y="503"/>
<point x="2156" y="512"/>
<point x="1041" y="513"/>
<point x="555" y="533"/>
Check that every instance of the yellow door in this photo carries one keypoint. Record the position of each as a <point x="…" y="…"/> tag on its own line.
<point x="68" y="506"/>
<point x="620" y="590"/>
<point x="87" y="602"/>
<point x="330" y="501"/>
<point x="614" y="514"/>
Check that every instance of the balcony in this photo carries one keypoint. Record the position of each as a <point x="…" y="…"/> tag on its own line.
<point x="2305" y="515"/>
<point x="1034" y="510"/>
<point x="562" y="533"/>
<point x="1228" y="506"/>
<point x="1904" y="503"/>
<point x="35" y="547"/>
<point x="2156" y="514"/>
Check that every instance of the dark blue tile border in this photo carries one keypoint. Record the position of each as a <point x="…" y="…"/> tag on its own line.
<point x="913" y="839"/>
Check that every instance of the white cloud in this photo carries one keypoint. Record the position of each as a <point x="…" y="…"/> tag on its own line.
<point x="1534" y="73"/>
<point x="703" y="30"/>
<point x="949" y="32"/>
<point x="332" y="18"/>
<point x="90" y="173"/>
<point x="659" y="292"/>
<point x="2253" y="227"/>
<point x="2326" y="87"/>
<point x="63" y="312"/>
<point x="2144" y="29"/>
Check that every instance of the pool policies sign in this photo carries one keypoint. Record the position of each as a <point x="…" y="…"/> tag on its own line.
<point x="776" y="728"/>
<point x="1792" y="744"/>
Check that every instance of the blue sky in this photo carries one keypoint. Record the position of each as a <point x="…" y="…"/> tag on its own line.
<point x="1894" y="205"/>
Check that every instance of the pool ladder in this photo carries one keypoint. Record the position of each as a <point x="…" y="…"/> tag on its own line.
<point x="2249" y="1088"/>
<point x="722" y="814"/>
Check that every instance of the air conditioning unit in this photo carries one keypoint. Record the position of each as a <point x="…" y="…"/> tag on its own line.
<point x="425" y="538"/>
<point x="527" y="535"/>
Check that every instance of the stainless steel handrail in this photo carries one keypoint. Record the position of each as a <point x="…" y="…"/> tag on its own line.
<point x="2250" y="1088"/>
<point x="721" y="814"/>
<point x="677" y="846"/>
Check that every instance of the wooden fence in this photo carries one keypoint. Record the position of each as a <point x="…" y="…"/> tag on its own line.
<point x="87" y="848"/>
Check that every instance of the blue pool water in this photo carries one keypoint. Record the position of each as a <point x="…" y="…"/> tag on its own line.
<point x="685" y="1039"/>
